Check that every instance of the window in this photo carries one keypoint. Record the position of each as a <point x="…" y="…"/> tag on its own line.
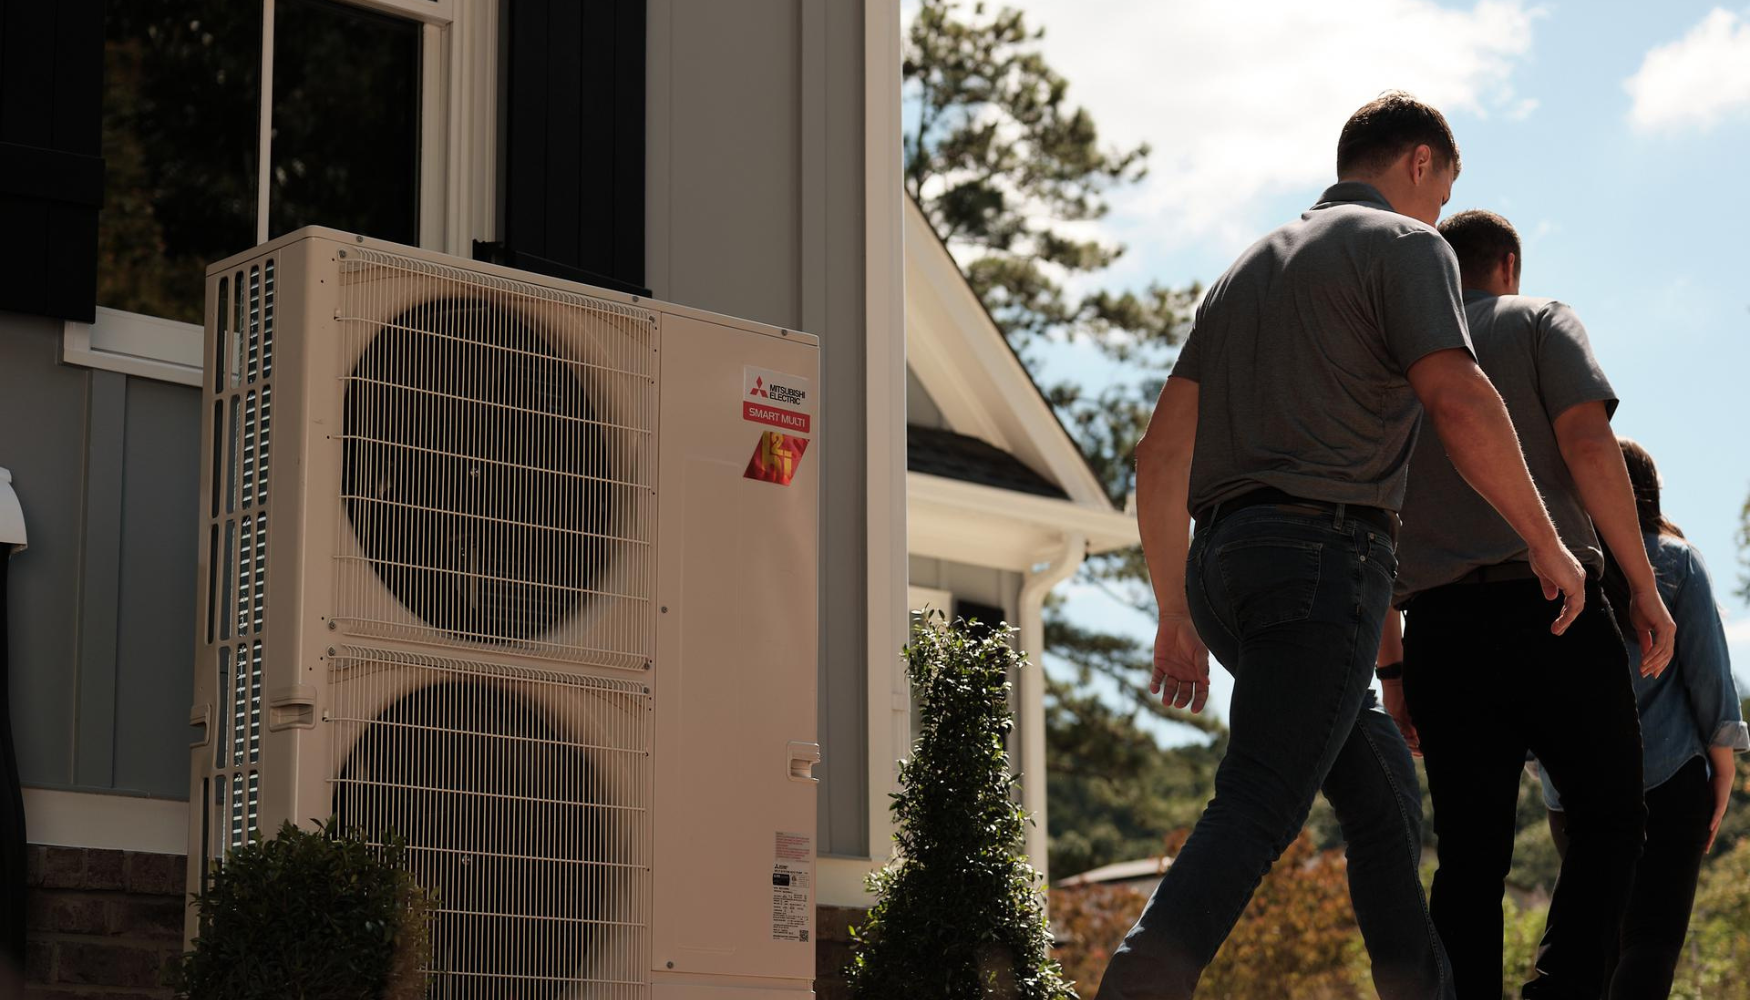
<point x="370" y="120"/>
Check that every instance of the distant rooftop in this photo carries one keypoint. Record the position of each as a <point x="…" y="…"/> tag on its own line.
<point x="1121" y="871"/>
<point x="944" y="453"/>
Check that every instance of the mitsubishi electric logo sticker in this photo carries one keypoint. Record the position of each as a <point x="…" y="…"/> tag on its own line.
<point x="777" y="400"/>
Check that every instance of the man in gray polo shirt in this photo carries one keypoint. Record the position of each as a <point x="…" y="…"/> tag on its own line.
<point x="1483" y="680"/>
<point x="1285" y="430"/>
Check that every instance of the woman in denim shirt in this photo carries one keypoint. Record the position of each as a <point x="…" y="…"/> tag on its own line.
<point x="1691" y="724"/>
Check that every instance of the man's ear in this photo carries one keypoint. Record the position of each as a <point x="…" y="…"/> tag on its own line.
<point x="1509" y="269"/>
<point x="1421" y="162"/>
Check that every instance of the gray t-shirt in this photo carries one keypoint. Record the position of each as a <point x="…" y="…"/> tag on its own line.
<point x="1300" y="349"/>
<point x="1537" y="354"/>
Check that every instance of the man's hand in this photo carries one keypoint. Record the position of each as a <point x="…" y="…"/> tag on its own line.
<point x="1181" y="674"/>
<point x="1561" y="575"/>
<point x="1725" y="772"/>
<point x="1654" y="630"/>
<point x="1393" y="691"/>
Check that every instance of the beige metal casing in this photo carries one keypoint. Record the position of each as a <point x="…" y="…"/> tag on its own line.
<point x="716" y="694"/>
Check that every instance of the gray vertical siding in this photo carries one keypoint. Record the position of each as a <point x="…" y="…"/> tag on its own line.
<point x="105" y="467"/>
<point x="755" y="209"/>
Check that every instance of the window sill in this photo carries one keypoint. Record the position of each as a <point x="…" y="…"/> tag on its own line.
<point x="134" y="344"/>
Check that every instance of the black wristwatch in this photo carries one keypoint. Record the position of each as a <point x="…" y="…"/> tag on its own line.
<point x="1389" y="671"/>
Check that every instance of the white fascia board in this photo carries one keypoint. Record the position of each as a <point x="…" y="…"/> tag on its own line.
<point x="1013" y="527"/>
<point x="968" y="369"/>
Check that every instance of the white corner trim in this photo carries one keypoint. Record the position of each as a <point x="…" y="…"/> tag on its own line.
<point x="884" y="347"/>
<point x="1067" y="560"/>
<point x="106" y="822"/>
<point x="136" y="344"/>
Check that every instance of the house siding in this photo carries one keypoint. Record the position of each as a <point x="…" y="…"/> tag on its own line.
<point x="102" y="613"/>
<point x="756" y="202"/>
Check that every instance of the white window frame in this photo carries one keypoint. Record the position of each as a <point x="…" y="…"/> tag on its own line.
<point x="458" y="166"/>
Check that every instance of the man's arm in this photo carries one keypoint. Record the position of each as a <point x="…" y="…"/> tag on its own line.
<point x="1473" y="424"/>
<point x="1163" y="483"/>
<point x="1594" y="459"/>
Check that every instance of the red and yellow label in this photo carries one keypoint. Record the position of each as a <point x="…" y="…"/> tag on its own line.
<point x="776" y="458"/>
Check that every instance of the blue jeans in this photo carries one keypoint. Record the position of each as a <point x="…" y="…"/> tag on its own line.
<point x="1292" y="602"/>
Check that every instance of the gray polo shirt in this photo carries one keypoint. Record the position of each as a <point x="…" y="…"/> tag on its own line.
<point x="1300" y="349"/>
<point x="1537" y="354"/>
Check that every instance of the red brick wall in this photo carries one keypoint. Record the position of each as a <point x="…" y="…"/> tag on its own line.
<point x="832" y="925"/>
<point x="102" y="923"/>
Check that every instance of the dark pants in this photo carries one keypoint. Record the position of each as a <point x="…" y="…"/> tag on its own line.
<point x="1485" y="682"/>
<point x="1292" y="604"/>
<point x="1678" y="813"/>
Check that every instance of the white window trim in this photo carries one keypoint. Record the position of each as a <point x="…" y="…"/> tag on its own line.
<point x="457" y="179"/>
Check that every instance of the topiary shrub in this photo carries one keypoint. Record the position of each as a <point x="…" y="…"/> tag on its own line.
<point x="308" y="915"/>
<point x="959" y="914"/>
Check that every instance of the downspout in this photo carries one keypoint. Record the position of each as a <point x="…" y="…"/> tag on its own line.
<point x="1038" y="583"/>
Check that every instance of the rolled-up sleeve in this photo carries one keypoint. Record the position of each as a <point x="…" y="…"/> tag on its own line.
<point x="1706" y="664"/>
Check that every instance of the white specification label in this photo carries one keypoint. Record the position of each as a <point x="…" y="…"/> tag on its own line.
<point x="792" y="887"/>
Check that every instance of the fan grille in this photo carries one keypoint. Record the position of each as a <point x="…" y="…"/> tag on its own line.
<point x="494" y="475"/>
<point x="524" y="800"/>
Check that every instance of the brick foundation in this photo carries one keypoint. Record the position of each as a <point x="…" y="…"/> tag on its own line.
<point x="101" y="923"/>
<point x="104" y="923"/>
<point x="832" y="926"/>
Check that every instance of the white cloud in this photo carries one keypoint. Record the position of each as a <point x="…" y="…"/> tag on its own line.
<point x="1695" y="81"/>
<point x="1244" y="101"/>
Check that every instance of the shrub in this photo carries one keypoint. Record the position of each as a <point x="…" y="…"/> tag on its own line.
<point x="958" y="913"/>
<point x="311" y="915"/>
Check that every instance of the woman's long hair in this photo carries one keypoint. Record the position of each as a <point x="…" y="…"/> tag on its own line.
<point x="1643" y="477"/>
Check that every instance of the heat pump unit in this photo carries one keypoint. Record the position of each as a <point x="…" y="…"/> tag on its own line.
<point x="525" y="572"/>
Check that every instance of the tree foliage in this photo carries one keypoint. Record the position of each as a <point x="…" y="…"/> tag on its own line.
<point x="958" y="913"/>
<point x="1006" y="170"/>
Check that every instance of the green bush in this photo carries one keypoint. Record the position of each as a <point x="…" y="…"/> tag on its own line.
<point x="959" y="914"/>
<point x="310" y="915"/>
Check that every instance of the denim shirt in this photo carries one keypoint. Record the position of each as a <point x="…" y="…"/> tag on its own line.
<point x="1693" y="705"/>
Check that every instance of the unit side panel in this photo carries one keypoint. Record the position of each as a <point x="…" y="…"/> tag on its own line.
<point x="736" y="660"/>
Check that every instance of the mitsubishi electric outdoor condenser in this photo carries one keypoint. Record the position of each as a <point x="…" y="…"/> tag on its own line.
<point x="523" y="571"/>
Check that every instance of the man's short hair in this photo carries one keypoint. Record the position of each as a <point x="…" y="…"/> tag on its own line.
<point x="1481" y="240"/>
<point x="1388" y="126"/>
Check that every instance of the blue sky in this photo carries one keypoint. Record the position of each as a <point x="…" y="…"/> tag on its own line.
<point x="1632" y="199"/>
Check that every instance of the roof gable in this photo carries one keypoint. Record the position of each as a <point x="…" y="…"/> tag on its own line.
<point x="974" y="377"/>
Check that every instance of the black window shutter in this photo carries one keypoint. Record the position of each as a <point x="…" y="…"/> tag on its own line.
<point x="51" y="163"/>
<point x="573" y="133"/>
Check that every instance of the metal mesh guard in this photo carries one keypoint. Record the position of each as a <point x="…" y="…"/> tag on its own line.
<point x="523" y="796"/>
<point x="498" y="463"/>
